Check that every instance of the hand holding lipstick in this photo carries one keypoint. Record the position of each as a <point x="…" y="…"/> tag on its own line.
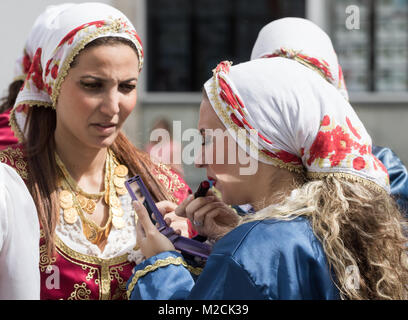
<point x="209" y="214"/>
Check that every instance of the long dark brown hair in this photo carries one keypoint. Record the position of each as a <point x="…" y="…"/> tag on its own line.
<point x="40" y="148"/>
<point x="13" y="90"/>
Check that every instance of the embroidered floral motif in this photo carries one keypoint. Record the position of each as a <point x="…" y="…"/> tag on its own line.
<point x="26" y="62"/>
<point x="14" y="157"/>
<point x="236" y="120"/>
<point x="80" y="292"/>
<point x="353" y="130"/>
<point x="45" y="261"/>
<point x="69" y="38"/>
<point x="339" y="144"/>
<point x="359" y="163"/>
<point x="318" y="64"/>
<point x="286" y="157"/>
<point x="47" y="67"/>
<point x="36" y="71"/>
<point x="223" y="66"/>
<point x="170" y="179"/>
<point x="54" y="71"/>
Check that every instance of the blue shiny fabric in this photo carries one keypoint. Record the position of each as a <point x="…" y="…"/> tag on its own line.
<point x="267" y="259"/>
<point x="398" y="176"/>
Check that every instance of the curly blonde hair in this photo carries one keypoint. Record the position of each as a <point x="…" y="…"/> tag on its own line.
<point x="358" y="226"/>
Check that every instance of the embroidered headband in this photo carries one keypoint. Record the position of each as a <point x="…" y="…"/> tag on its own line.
<point x="57" y="37"/>
<point x="300" y="120"/>
<point x="305" y="42"/>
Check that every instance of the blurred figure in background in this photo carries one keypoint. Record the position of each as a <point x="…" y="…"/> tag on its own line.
<point x="165" y="149"/>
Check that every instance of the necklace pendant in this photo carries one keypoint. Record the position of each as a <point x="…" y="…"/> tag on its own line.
<point x="91" y="236"/>
<point x="121" y="171"/>
<point x="118" y="222"/>
<point x="121" y="191"/>
<point x="82" y="201"/>
<point x="70" y="215"/>
<point x="66" y="200"/>
<point x="114" y="201"/>
<point x="90" y="206"/>
<point x="119" y="182"/>
<point x="118" y="212"/>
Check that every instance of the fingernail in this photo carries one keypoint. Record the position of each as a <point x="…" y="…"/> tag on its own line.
<point x="189" y="191"/>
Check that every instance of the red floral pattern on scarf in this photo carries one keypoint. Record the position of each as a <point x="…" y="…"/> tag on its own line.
<point x="226" y="94"/>
<point x="236" y="121"/>
<point x="47" y="67"/>
<point x="134" y="34"/>
<point x="26" y="63"/>
<point x="322" y="65"/>
<point x="54" y="71"/>
<point x="223" y="66"/>
<point x="337" y="144"/>
<point x="353" y="130"/>
<point x="359" y="163"/>
<point x="36" y="70"/>
<point x="231" y="99"/>
<point x="284" y="156"/>
<point x="71" y="35"/>
<point x="342" y="144"/>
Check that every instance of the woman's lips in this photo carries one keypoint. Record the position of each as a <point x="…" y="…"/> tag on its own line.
<point x="104" y="128"/>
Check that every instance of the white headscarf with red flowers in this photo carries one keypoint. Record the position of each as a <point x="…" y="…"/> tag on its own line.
<point x="303" y="41"/>
<point x="301" y="122"/>
<point x="56" y="39"/>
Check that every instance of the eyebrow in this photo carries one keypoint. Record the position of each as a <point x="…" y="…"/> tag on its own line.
<point x="102" y="79"/>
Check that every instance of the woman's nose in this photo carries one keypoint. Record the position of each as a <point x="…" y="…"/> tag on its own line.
<point x="111" y="103"/>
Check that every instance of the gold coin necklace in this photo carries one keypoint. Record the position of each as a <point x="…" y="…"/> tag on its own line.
<point x="74" y="201"/>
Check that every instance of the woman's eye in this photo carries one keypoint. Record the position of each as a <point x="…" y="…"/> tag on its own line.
<point x="91" y="85"/>
<point x="127" y="87"/>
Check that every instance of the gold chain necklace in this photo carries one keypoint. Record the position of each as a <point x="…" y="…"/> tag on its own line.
<point x="74" y="201"/>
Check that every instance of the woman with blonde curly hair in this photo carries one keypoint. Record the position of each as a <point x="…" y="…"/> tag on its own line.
<point x="325" y="225"/>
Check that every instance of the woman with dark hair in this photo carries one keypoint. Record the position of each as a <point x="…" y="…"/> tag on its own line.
<point x="79" y="90"/>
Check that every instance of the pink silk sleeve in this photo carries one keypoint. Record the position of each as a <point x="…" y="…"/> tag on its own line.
<point x="7" y="137"/>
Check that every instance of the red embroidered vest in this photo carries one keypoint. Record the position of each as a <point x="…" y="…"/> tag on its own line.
<point x="75" y="276"/>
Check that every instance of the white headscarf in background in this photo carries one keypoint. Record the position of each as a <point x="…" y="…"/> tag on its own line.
<point x="303" y="41"/>
<point x="56" y="39"/>
<point x="301" y="121"/>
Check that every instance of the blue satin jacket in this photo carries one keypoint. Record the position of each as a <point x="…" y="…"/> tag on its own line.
<point x="267" y="259"/>
<point x="398" y="176"/>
